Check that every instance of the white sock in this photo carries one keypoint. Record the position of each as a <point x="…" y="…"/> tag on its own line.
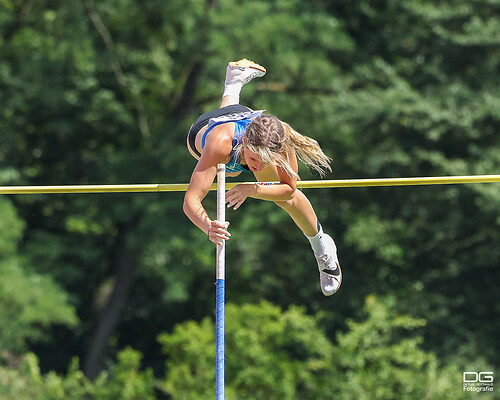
<point x="233" y="90"/>
<point x="233" y="83"/>
<point x="317" y="242"/>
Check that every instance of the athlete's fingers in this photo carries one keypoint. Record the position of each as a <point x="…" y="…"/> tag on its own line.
<point x="233" y="195"/>
<point x="218" y="238"/>
<point x="217" y="224"/>
<point x="230" y="198"/>
<point x="217" y="231"/>
<point x="217" y="241"/>
<point x="238" y="204"/>
<point x="220" y="233"/>
<point x="235" y="200"/>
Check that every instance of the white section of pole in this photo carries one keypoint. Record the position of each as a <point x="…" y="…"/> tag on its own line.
<point x="221" y="217"/>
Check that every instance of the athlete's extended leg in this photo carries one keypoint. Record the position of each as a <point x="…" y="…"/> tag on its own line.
<point x="238" y="74"/>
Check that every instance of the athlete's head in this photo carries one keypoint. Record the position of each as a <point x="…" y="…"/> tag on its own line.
<point x="263" y="142"/>
<point x="267" y="140"/>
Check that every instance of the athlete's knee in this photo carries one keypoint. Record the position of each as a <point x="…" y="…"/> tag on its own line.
<point x="285" y="204"/>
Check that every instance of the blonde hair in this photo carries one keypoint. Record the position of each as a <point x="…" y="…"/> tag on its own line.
<point x="273" y="141"/>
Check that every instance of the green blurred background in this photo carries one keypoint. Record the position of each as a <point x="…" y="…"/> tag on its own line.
<point x="112" y="296"/>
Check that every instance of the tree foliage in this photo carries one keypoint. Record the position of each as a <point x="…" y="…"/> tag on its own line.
<point x="29" y="301"/>
<point x="124" y="381"/>
<point x="104" y="92"/>
<point x="285" y="354"/>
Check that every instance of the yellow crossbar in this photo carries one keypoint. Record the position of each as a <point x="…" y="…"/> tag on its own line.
<point x="182" y="187"/>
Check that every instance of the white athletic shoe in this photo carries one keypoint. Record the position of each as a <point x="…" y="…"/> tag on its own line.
<point x="330" y="274"/>
<point x="243" y="71"/>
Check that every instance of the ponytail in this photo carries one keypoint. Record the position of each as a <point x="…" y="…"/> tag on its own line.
<point x="307" y="150"/>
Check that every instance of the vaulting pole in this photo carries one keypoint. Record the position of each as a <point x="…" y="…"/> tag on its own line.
<point x="220" y="286"/>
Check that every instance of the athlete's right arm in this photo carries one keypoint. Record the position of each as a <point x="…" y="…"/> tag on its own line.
<point x="217" y="150"/>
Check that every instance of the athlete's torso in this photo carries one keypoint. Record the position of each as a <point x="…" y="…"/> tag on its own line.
<point x="234" y="163"/>
<point x="240" y="122"/>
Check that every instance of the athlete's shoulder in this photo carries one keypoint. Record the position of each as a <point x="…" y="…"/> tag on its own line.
<point x="220" y="140"/>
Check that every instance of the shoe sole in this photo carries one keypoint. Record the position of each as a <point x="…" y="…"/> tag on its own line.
<point x="245" y="63"/>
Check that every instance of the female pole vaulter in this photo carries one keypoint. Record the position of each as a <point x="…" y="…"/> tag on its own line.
<point x="247" y="140"/>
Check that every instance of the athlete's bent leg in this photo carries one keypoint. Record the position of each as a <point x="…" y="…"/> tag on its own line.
<point x="325" y="250"/>
<point x="301" y="211"/>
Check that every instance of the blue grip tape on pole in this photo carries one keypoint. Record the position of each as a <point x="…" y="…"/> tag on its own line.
<point x="219" y="343"/>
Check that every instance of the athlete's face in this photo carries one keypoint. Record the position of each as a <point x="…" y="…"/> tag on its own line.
<point x="253" y="160"/>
